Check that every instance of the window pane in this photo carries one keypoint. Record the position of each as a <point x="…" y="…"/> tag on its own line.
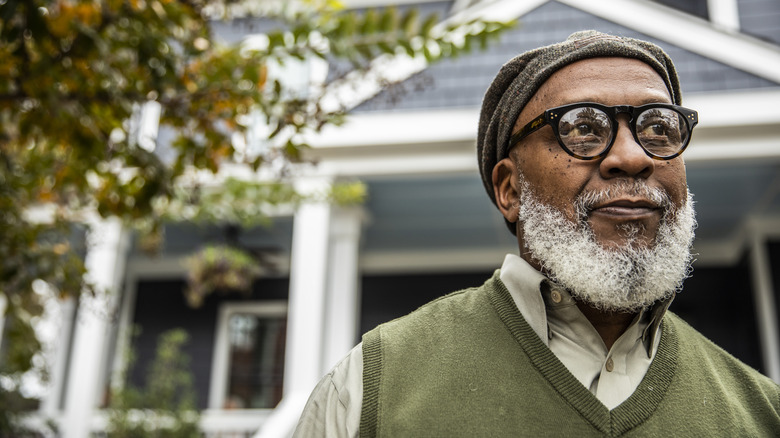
<point x="256" y="361"/>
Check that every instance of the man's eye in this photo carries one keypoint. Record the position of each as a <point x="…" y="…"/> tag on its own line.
<point x="659" y="127"/>
<point x="583" y="129"/>
<point x="586" y="128"/>
<point x="659" y="134"/>
<point x="655" y="129"/>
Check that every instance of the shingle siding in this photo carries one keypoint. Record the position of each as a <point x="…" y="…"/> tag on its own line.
<point x="760" y="18"/>
<point x="462" y="82"/>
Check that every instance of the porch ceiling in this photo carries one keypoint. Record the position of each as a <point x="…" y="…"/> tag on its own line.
<point x="452" y="212"/>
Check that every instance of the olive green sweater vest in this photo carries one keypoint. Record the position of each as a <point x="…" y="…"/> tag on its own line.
<point x="468" y="365"/>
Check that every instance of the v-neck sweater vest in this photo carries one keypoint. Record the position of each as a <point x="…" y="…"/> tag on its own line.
<point x="469" y="365"/>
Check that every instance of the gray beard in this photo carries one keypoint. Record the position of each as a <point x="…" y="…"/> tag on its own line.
<point x="623" y="279"/>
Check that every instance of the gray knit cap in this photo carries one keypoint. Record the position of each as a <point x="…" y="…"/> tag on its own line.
<point x="520" y="78"/>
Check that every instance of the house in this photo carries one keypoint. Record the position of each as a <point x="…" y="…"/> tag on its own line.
<point x="428" y="227"/>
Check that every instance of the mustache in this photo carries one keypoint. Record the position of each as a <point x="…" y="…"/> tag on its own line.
<point x="588" y="199"/>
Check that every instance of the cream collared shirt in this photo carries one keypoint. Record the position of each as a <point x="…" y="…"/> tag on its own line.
<point x="334" y="408"/>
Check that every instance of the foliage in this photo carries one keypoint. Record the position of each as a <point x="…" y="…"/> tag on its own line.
<point x="165" y="407"/>
<point x="76" y="75"/>
<point x="218" y="268"/>
<point x="235" y="201"/>
<point x="12" y="408"/>
<point x="230" y="268"/>
<point x="348" y="194"/>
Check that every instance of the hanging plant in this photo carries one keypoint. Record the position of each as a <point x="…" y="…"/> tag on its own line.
<point x="219" y="268"/>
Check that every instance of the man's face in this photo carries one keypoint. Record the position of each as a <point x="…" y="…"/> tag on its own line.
<point x="558" y="179"/>
<point x="615" y="231"/>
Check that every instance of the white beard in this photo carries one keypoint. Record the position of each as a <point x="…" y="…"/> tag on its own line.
<point x="626" y="278"/>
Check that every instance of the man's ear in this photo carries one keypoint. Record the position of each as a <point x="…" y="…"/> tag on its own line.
<point x="505" y="189"/>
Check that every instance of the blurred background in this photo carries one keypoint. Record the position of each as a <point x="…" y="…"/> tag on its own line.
<point x="309" y="172"/>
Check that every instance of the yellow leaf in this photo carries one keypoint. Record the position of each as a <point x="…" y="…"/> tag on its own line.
<point x="89" y="13"/>
<point x="190" y="85"/>
<point x="45" y="196"/>
<point x="263" y="77"/>
<point x="60" y="248"/>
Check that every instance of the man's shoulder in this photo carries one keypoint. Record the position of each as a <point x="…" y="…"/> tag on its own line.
<point x="459" y="305"/>
<point x="703" y="354"/>
<point x="693" y="340"/>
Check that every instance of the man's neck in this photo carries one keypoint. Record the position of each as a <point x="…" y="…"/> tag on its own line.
<point x="609" y="325"/>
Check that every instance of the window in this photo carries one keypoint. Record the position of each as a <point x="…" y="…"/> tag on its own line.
<point x="248" y="364"/>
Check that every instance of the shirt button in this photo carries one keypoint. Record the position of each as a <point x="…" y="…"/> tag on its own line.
<point x="556" y="296"/>
<point x="610" y="365"/>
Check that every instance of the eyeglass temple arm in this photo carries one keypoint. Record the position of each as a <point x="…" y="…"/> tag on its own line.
<point x="532" y="126"/>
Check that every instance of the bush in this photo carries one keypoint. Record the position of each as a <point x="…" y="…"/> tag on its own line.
<point x="165" y="407"/>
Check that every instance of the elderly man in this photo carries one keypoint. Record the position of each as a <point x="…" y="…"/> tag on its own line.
<point x="579" y="147"/>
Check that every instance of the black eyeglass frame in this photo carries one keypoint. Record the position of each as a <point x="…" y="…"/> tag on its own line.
<point x="552" y="115"/>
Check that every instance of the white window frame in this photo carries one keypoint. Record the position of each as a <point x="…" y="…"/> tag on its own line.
<point x="219" y="363"/>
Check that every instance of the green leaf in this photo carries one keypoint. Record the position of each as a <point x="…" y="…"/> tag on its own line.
<point x="385" y="48"/>
<point x="428" y="24"/>
<point x="370" y="22"/>
<point x="409" y="22"/>
<point x="365" y="51"/>
<point x="427" y="53"/>
<point x="389" y="19"/>
<point x="348" y="24"/>
<point x="467" y="44"/>
<point x="301" y="33"/>
<point x="407" y="47"/>
<point x="346" y="194"/>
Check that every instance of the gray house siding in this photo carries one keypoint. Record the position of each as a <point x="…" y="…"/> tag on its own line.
<point x="759" y="18"/>
<point x="462" y="82"/>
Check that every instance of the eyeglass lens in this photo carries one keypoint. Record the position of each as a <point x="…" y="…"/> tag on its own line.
<point x="587" y="131"/>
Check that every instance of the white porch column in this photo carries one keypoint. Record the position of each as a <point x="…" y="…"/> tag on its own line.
<point x="64" y="322"/>
<point x="724" y="14"/>
<point x="105" y="262"/>
<point x="343" y="299"/>
<point x="305" y="311"/>
<point x="308" y="286"/>
<point x="322" y="322"/>
<point x="764" y="299"/>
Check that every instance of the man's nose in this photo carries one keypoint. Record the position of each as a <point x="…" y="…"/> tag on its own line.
<point x="626" y="158"/>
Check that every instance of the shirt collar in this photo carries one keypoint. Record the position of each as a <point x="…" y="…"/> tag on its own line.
<point x="530" y="289"/>
<point x="523" y="283"/>
<point x="655" y="314"/>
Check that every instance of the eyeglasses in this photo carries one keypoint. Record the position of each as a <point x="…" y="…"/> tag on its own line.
<point x="587" y="130"/>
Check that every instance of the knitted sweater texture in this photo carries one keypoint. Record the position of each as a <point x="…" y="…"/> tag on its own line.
<point x="469" y="365"/>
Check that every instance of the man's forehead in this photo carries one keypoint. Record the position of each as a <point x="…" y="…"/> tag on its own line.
<point x="609" y="81"/>
<point x="594" y="79"/>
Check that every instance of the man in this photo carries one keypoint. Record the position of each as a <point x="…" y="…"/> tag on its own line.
<point x="579" y="147"/>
